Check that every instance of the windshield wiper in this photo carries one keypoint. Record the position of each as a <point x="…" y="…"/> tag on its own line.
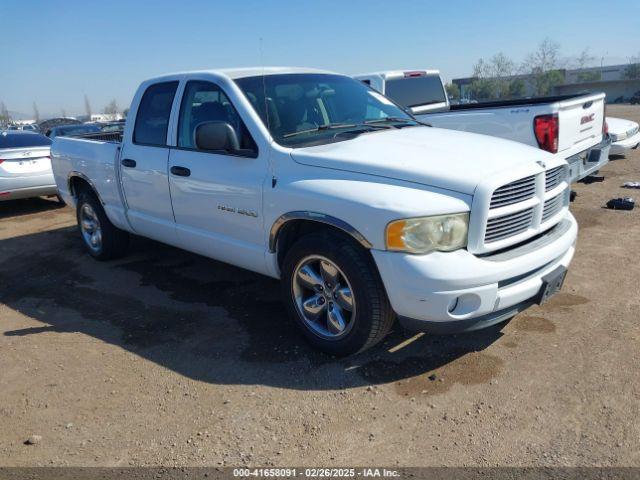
<point x="405" y="121"/>
<point x="367" y="127"/>
<point x="320" y="128"/>
<point x="392" y="120"/>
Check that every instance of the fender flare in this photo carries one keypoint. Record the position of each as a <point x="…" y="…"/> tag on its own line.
<point x="314" y="217"/>
<point x="74" y="174"/>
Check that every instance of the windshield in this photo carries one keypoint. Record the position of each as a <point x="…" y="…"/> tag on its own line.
<point x="313" y="109"/>
<point x="415" y="91"/>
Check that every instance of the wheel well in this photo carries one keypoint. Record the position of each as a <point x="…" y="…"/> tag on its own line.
<point x="78" y="185"/>
<point x="291" y="231"/>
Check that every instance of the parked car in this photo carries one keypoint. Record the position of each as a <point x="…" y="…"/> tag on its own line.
<point x="25" y="165"/>
<point x="624" y="134"/>
<point x="65" y="130"/>
<point x="29" y="127"/>
<point x="363" y="213"/>
<point x="112" y="127"/>
<point x="635" y="99"/>
<point x="48" y="124"/>
<point x="570" y="126"/>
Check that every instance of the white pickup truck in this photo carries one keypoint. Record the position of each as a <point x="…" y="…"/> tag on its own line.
<point x="311" y="177"/>
<point x="571" y="127"/>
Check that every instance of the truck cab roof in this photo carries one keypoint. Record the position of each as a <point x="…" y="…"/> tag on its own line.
<point x="235" y="73"/>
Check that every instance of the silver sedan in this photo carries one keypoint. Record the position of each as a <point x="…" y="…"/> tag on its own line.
<point x="25" y="165"/>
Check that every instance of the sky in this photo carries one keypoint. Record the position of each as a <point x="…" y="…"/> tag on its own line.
<point x="56" y="52"/>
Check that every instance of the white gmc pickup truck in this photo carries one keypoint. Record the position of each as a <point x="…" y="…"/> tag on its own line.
<point x="311" y="177"/>
<point x="571" y="127"/>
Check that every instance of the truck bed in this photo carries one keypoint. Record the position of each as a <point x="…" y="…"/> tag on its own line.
<point x="580" y="119"/>
<point x="517" y="102"/>
<point x="96" y="157"/>
<point x="112" y="137"/>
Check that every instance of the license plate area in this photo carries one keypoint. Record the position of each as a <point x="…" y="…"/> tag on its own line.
<point x="551" y="284"/>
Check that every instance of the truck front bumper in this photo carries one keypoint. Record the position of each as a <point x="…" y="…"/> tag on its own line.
<point x="588" y="161"/>
<point x="619" y="148"/>
<point x="447" y="292"/>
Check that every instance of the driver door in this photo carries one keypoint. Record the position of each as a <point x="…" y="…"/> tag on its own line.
<point x="216" y="195"/>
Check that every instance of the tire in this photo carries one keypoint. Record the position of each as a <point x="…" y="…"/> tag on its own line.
<point x="371" y="316"/>
<point x="112" y="243"/>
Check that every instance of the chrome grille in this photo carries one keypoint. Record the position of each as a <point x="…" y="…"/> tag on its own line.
<point x="554" y="177"/>
<point x="552" y="206"/>
<point x="506" y="226"/>
<point x="514" y="192"/>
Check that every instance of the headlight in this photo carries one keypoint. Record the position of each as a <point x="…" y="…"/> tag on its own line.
<point x="427" y="234"/>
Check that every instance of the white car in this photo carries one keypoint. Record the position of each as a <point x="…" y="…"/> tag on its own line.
<point x="624" y="135"/>
<point x="25" y="165"/>
<point x="569" y="126"/>
<point x="311" y="177"/>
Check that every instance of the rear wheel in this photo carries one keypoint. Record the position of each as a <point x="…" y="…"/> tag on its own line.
<point x="333" y="292"/>
<point x="101" y="238"/>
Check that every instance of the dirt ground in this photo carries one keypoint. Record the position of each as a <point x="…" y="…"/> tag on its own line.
<point x="168" y="358"/>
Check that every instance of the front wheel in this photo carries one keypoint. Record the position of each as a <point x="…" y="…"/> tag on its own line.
<point x="102" y="239"/>
<point x="333" y="292"/>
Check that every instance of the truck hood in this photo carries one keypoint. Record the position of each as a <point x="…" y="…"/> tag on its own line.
<point x="436" y="157"/>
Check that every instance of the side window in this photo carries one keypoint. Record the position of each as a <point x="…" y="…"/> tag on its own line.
<point x="152" y="119"/>
<point x="206" y="102"/>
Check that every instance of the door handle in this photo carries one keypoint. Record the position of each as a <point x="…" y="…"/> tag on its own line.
<point x="127" y="162"/>
<point x="180" y="171"/>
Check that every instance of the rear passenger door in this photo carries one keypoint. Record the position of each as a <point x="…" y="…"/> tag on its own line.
<point x="217" y="195"/>
<point x="144" y="162"/>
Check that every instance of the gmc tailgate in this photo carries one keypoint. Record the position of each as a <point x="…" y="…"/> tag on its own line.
<point x="581" y="122"/>
<point x="581" y="139"/>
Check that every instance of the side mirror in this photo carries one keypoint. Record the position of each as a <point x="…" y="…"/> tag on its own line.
<point x="216" y="136"/>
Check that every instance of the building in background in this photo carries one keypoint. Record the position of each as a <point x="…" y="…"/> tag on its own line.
<point x="106" y="117"/>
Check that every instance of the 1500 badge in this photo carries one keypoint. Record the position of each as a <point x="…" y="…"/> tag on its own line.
<point x="239" y="211"/>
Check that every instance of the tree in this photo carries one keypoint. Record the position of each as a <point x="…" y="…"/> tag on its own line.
<point x="111" y="108"/>
<point x="453" y="91"/>
<point x="543" y="65"/>
<point x="87" y="106"/>
<point x="544" y="58"/>
<point x="4" y="115"/>
<point x="632" y="71"/>
<point x="36" y="113"/>
<point x="545" y="81"/>
<point x="584" y="60"/>
<point x="491" y="78"/>
<point x="483" y="88"/>
<point x="589" y="76"/>
<point x="517" y="88"/>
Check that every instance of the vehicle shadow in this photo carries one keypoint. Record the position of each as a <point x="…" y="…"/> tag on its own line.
<point x="27" y="206"/>
<point x="201" y="318"/>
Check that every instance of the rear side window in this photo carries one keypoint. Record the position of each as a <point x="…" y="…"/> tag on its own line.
<point x="152" y="119"/>
<point x="415" y="91"/>
<point x="19" y="140"/>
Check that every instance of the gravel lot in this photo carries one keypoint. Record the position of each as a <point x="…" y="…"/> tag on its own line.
<point x="168" y="358"/>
